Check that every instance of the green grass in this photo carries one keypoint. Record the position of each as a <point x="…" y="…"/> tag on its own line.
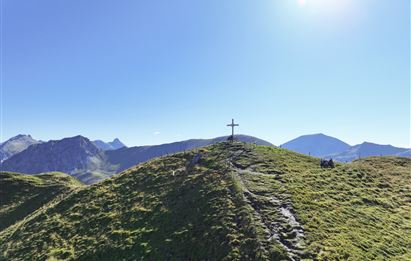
<point x="220" y="210"/>
<point x="357" y="211"/>
<point x="21" y="194"/>
<point x="144" y="213"/>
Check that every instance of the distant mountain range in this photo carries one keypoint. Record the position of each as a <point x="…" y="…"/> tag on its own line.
<point x="77" y="156"/>
<point x="323" y="146"/>
<point x="368" y="149"/>
<point x="82" y="158"/>
<point x="91" y="161"/>
<point x="15" y="145"/>
<point x="114" y="145"/>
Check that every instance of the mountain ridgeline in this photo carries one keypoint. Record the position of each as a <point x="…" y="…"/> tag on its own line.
<point x="77" y="156"/>
<point x="317" y="145"/>
<point x="323" y="146"/>
<point x="15" y="145"/>
<point x="227" y="202"/>
<point x="83" y="159"/>
<point x="92" y="161"/>
<point x="368" y="149"/>
<point x="113" y="145"/>
<point x="127" y="157"/>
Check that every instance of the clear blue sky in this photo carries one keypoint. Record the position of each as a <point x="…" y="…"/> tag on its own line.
<point x="150" y="72"/>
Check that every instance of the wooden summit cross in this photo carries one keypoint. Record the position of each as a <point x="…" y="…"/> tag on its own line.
<point x="232" y="125"/>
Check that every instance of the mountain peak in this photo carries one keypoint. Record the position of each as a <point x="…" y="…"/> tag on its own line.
<point x="117" y="144"/>
<point x="113" y="145"/>
<point x="72" y="155"/>
<point x="15" y="145"/>
<point x="367" y="149"/>
<point x="78" y="137"/>
<point x="20" y="136"/>
<point x="318" y="145"/>
<point x="369" y="143"/>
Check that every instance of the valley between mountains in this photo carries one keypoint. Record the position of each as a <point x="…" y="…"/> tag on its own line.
<point x="221" y="202"/>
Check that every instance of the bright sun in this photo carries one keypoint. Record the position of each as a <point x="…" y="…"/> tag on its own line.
<point x="328" y="6"/>
<point x="302" y="2"/>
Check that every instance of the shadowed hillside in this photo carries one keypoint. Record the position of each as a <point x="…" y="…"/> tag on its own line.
<point x="227" y="202"/>
<point x="22" y="194"/>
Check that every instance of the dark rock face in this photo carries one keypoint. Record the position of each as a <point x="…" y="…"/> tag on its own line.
<point x="66" y="155"/>
<point x="15" y="145"/>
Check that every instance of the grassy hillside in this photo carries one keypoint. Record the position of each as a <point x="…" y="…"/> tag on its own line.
<point x="227" y="202"/>
<point x="22" y="194"/>
<point x="357" y="211"/>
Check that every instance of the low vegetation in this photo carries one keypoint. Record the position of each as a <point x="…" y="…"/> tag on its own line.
<point x="357" y="211"/>
<point x="21" y="194"/>
<point x="227" y="202"/>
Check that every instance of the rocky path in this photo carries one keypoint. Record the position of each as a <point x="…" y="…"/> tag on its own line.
<point x="283" y="226"/>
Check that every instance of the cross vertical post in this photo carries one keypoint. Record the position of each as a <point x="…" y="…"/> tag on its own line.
<point x="232" y="125"/>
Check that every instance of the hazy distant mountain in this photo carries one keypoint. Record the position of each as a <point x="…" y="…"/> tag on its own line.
<point x="406" y="153"/>
<point x="318" y="145"/>
<point x="82" y="158"/>
<point x="127" y="157"/>
<point x="367" y="149"/>
<point x="114" y="145"/>
<point x="77" y="156"/>
<point x="15" y="145"/>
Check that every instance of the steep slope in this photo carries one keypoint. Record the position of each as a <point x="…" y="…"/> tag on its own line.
<point x="76" y="156"/>
<point x="232" y="202"/>
<point x="22" y="194"/>
<point x="15" y="145"/>
<point x="114" y="145"/>
<point x="127" y="157"/>
<point x="368" y="149"/>
<point x="318" y="145"/>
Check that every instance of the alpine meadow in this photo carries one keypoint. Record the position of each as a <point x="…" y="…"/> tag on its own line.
<point x="230" y="130"/>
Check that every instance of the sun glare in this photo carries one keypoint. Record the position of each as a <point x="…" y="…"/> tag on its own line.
<point x="326" y="7"/>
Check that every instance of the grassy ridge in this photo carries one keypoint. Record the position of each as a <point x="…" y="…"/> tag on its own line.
<point x="357" y="211"/>
<point x="21" y="194"/>
<point x="238" y="202"/>
<point x="160" y="210"/>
